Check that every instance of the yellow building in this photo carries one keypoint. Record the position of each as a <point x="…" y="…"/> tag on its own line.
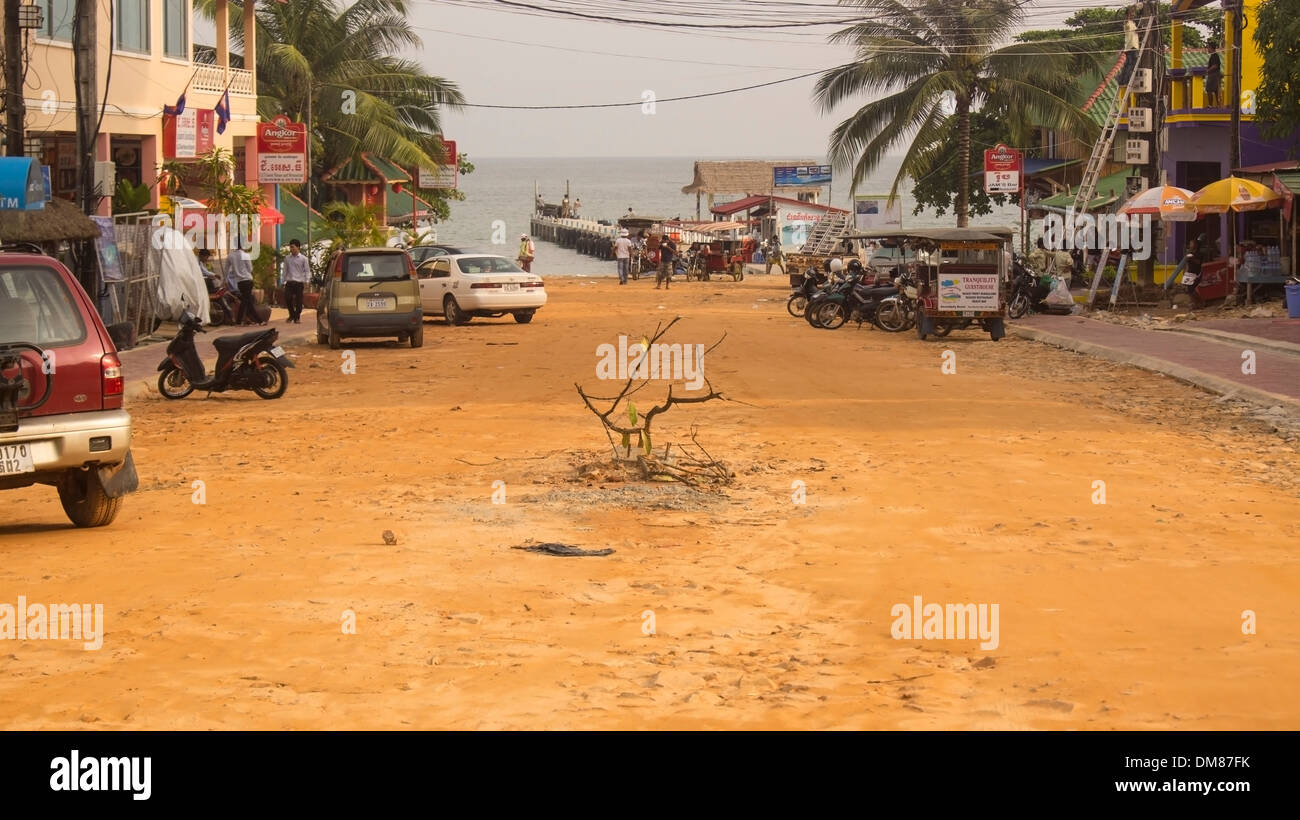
<point x="144" y="60"/>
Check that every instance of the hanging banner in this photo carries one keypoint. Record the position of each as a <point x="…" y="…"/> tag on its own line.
<point x="444" y="176"/>
<point x="188" y="135"/>
<point x="281" y="151"/>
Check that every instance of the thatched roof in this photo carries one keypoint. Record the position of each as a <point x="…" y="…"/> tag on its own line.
<point x="59" y="220"/>
<point x="746" y="177"/>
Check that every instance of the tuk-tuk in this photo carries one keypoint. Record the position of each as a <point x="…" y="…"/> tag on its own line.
<point x="961" y="276"/>
<point x="645" y="256"/>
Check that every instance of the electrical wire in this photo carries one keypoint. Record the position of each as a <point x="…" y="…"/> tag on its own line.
<point x="643" y="102"/>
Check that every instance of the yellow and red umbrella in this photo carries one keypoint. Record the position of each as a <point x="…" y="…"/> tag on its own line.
<point x="1168" y="202"/>
<point x="1234" y="194"/>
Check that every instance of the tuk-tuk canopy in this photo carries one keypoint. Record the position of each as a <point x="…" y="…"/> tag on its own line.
<point x="936" y="235"/>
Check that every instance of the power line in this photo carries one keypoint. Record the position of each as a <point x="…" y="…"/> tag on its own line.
<point x="643" y="102"/>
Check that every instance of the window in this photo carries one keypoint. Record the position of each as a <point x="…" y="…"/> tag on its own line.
<point x="57" y="24"/>
<point x="486" y="264"/>
<point x="36" y="307"/>
<point x="176" y="40"/>
<point x="132" y="25"/>
<point x="375" y="267"/>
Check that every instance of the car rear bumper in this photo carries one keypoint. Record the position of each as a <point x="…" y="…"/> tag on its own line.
<point x="501" y="302"/>
<point x="377" y="324"/>
<point x="63" y="442"/>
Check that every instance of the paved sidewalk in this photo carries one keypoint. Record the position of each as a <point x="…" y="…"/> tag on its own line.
<point x="140" y="363"/>
<point x="1213" y="363"/>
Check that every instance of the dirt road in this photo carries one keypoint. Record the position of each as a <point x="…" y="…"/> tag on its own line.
<point x="971" y="487"/>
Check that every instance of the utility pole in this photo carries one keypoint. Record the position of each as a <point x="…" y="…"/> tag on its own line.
<point x="15" y="106"/>
<point x="1234" y="145"/>
<point x="85" y="43"/>
<point x="1155" y="61"/>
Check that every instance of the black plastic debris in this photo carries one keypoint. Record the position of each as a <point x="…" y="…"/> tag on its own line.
<point x="562" y="550"/>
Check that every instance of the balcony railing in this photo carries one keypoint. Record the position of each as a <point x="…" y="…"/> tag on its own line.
<point x="215" y="78"/>
<point x="1187" y="91"/>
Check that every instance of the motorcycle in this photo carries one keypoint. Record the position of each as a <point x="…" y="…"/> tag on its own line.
<point x="224" y="304"/>
<point x="248" y="361"/>
<point x="898" y="312"/>
<point x="813" y="280"/>
<point x="851" y="300"/>
<point x="1028" y="293"/>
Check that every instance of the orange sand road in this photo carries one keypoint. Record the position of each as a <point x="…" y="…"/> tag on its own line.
<point x="975" y="487"/>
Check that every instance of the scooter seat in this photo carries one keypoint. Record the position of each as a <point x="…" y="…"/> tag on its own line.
<point x="230" y="344"/>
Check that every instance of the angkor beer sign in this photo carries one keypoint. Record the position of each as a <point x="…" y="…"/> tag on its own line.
<point x="281" y="151"/>
<point x="1002" y="170"/>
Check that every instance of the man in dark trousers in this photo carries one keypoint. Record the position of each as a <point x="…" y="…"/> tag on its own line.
<point x="295" y="274"/>
<point x="241" y="271"/>
<point x="667" y="255"/>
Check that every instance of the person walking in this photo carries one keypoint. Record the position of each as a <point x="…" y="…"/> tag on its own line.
<point x="623" y="253"/>
<point x="241" y="270"/>
<point x="295" y="273"/>
<point x="527" y="252"/>
<point x="577" y="208"/>
<point x="773" y="254"/>
<point x="667" y="255"/>
<point x="564" y="207"/>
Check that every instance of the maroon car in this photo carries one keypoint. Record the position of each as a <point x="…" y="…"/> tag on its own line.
<point x="61" y="417"/>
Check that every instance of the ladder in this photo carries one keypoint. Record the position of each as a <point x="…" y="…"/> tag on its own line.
<point x="1101" y="148"/>
<point x="826" y="232"/>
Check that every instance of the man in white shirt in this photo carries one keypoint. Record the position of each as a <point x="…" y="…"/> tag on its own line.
<point x="623" y="253"/>
<point x="241" y="270"/>
<point x="295" y="273"/>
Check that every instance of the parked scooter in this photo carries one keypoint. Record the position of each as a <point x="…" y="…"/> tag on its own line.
<point x="812" y="282"/>
<point x="1028" y="292"/>
<point x="898" y="312"/>
<point x="853" y="300"/>
<point x="224" y="305"/>
<point x="248" y="361"/>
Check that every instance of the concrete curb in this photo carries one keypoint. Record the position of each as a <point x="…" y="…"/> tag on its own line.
<point x="1214" y="384"/>
<point x="1254" y="342"/>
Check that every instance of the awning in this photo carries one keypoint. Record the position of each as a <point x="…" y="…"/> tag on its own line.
<point x="295" y="219"/>
<point x="268" y="215"/>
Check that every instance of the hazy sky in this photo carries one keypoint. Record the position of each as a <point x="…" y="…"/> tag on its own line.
<point x="779" y="121"/>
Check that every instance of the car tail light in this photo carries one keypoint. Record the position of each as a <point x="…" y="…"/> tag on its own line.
<point x="532" y="284"/>
<point x="112" y="372"/>
<point x="485" y="285"/>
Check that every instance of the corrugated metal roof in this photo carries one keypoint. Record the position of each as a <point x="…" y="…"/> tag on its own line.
<point x="1104" y="92"/>
<point x="1109" y="189"/>
<point x="1291" y="179"/>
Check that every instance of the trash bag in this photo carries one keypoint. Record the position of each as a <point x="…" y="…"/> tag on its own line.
<point x="1060" y="294"/>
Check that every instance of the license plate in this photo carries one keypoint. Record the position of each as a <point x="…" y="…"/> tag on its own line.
<point x="277" y="351"/>
<point x="16" y="458"/>
<point x="511" y="287"/>
<point x="376" y="303"/>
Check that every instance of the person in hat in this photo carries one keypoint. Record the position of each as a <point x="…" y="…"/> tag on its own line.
<point x="623" y="254"/>
<point x="527" y="250"/>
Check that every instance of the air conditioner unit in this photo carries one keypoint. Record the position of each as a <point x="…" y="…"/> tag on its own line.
<point x="105" y="178"/>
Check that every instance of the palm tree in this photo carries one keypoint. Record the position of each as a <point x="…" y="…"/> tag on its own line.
<point x="338" y="59"/>
<point x="913" y="53"/>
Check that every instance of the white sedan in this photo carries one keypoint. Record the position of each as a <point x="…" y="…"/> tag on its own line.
<point x="461" y="286"/>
